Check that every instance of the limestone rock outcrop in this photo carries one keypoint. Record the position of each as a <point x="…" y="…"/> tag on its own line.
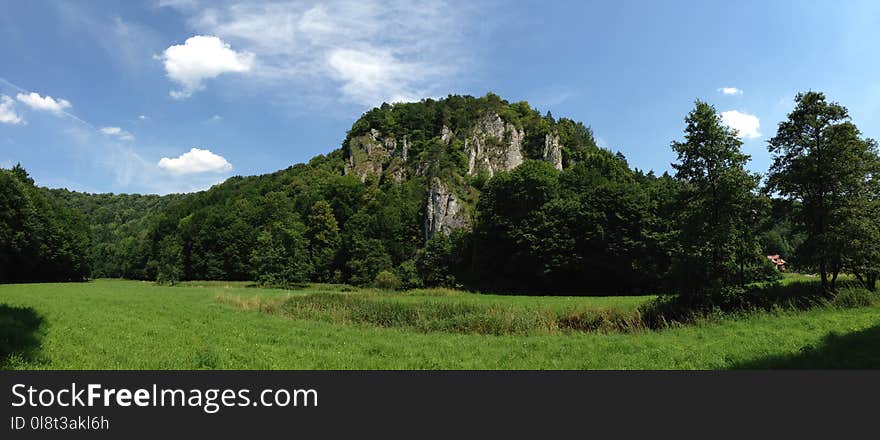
<point x="367" y="154"/>
<point x="443" y="212"/>
<point x="490" y="144"/>
<point x="494" y="145"/>
<point x="553" y="151"/>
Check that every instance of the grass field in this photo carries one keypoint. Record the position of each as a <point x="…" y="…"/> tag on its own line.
<point x="114" y="324"/>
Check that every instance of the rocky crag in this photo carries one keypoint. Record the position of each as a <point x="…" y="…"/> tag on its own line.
<point x="489" y="141"/>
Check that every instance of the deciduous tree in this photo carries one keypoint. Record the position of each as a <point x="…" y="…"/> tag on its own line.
<point x="821" y="161"/>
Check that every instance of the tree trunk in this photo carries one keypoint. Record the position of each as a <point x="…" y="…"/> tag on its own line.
<point x="834" y="273"/>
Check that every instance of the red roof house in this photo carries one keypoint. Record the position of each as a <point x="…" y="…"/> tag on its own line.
<point x="778" y="261"/>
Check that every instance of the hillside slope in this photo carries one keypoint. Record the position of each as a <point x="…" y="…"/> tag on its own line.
<point x="456" y="191"/>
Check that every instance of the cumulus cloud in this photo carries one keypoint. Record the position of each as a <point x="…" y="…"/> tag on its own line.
<point x="730" y="91"/>
<point x="195" y="161"/>
<point x="7" y="111"/>
<point x="369" y="50"/>
<point x="199" y="58"/>
<point x="43" y="103"/>
<point x="118" y="133"/>
<point x="129" y="171"/>
<point x="746" y="125"/>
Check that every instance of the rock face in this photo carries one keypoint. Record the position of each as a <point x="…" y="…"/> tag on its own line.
<point x="397" y="170"/>
<point x="443" y="213"/>
<point x="405" y="151"/>
<point x="368" y="153"/>
<point x="493" y="146"/>
<point x="446" y="135"/>
<point x="552" y="150"/>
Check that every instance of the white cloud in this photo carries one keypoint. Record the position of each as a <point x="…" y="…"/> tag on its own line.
<point x="199" y="58"/>
<point x="216" y="117"/>
<point x="143" y="117"/>
<point x="43" y="103"/>
<point x="365" y="76"/>
<point x="130" y="172"/>
<point x="730" y="91"/>
<point x="7" y="111"/>
<point x="195" y="161"/>
<point x="118" y="133"/>
<point x="746" y="125"/>
<point x="369" y="50"/>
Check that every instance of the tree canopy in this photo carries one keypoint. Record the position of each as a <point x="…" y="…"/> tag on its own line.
<point x="597" y="226"/>
<point x="821" y="161"/>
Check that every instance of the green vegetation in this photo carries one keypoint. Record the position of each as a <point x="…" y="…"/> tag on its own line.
<point x="451" y="312"/>
<point x="596" y="227"/>
<point x="140" y="325"/>
<point x="715" y="245"/>
<point x="585" y="229"/>
<point x="40" y="238"/>
<point x="689" y="248"/>
<point x="822" y="161"/>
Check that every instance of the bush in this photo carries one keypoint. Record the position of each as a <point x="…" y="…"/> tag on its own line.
<point x="387" y="280"/>
<point x="409" y="276"/>
<point x="853" y="297"/>
<point x="682" y="309"/>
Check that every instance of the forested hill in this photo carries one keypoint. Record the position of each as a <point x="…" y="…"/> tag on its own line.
<point x="457" y="191"/>
<point x="40" y="237"/>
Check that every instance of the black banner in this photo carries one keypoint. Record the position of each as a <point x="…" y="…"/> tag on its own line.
<point x="80" y="404"/>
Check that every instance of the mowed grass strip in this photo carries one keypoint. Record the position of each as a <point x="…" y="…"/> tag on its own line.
<point x="111" y="324"/>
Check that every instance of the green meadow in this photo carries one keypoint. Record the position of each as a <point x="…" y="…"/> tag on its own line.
<point x="116" y="324"/>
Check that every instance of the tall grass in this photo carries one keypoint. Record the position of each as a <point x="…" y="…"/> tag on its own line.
<point x="789" y="294"/>
<point x="433" y="315"/>
<point x="455" y="312"/>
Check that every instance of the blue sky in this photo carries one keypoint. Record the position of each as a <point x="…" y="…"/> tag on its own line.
<point x="176" y="95"/>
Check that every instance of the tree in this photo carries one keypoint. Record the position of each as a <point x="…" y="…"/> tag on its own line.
<point x="322" y="233"/>
<point x="862" y="227"/>
<point x="386" y="279"/>
<point x="170" y="262"/>
<point x="434" y="261"/>
<point x="41" y="239"/>
<point x="280" y="257"/>
<point x="367" y="258"/>
<point x="821" y="162"/>
<point x="588" y="228"/>
<point x="717" y="205"/>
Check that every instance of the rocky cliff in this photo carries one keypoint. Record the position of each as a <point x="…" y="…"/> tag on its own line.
<point x="446" y="142"/>
<point x="493" y="145"/>
<point x="443" y="212"/>
<point x="552" y="150"/>
<point x="368" y="154"/>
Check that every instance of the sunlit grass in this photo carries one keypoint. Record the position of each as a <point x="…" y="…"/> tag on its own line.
<point x="115" y="324"/>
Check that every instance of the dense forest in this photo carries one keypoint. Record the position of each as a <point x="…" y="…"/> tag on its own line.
<point x="485" y="194"/>
<point x="40" y="237"/>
